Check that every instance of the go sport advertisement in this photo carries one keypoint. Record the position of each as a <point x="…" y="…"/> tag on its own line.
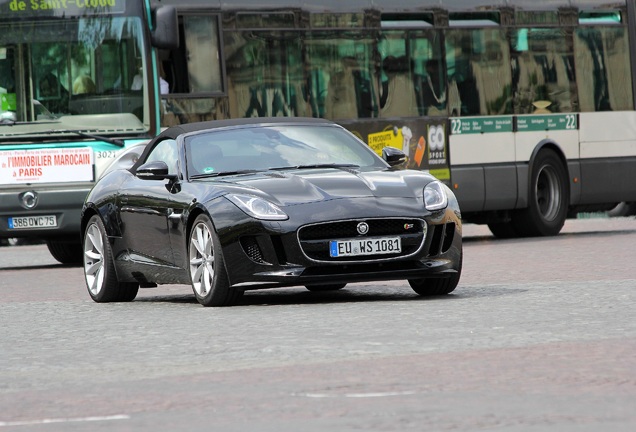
<point x="425" y="142"/>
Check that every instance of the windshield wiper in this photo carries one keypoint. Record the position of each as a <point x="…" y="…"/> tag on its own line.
<point x="9" y="122"/>
<point x="114" y="141"/>
<point x="225" y="173"/>
<point x="309" y="166"/>
<point x="6" y="122"/>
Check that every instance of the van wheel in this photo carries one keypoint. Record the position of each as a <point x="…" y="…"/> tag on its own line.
<point x="65" y="252"/>
<point x="623" y="209"/>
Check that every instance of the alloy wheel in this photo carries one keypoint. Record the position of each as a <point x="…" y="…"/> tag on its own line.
<point x="94" y="259"/>
<point x="201" y="259"/>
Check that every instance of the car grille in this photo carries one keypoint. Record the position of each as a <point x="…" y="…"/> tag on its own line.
<point x="314" y="239"/>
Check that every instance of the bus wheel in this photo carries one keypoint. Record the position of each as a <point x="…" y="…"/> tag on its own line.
<point x="66" y="252"/>
<point x="548" y="198"/>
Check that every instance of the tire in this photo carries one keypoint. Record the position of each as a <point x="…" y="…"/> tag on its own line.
<point x="325" y="287"/>
<point x="99" y="267"/>
<point x="548" y="198"/>
<point x="503" y="230"/>
<point x="437" y="286"/>
<point x="208" y="275"/>
<point x="66" y="252"/>
<point x="623" y="209"/>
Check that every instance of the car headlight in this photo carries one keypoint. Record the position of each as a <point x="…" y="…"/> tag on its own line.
<point x="435" y="197"/>
<point x="258" y="208"/>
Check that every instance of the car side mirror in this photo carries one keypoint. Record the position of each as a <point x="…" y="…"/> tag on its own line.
<point x="393" y="156"/>
<point x="156" y="170"/>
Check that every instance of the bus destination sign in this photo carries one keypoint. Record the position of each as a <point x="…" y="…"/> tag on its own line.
<point x="59" y="8"/>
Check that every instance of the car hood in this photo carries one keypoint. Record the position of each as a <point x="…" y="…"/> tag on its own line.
<point x="305" y="186"/>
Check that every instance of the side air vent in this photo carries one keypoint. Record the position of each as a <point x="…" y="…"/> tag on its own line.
<point x="441" y="238"/>
<point x="449" y="234"/>
<point x="252" y="249"/>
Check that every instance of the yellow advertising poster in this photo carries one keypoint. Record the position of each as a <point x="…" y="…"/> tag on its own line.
<point x="394" y="138"/>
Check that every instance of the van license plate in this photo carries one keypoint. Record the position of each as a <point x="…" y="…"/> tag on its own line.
<point x="27" y="222"/>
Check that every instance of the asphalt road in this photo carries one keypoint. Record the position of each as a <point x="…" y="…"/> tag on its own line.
<point x="540" y="335"/>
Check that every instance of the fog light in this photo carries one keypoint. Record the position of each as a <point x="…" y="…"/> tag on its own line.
<point x="29" y="199"/>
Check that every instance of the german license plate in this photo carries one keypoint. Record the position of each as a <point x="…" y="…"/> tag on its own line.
<point x="27" y="222"/>
<point x="365" y="246"/>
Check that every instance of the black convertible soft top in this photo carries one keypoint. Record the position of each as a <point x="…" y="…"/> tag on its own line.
<point x="174" y="131"/>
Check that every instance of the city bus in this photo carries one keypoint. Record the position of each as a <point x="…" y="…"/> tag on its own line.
<point x="524" y="108"/>
<point x="78" y="91"/>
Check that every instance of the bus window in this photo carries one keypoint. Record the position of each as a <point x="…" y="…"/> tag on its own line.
<point x="195" y="67"/>
<point x="50" y="76"/>
<point x="397" y="91"/>
<point x="543" y="70"/>
<point x="202" y="47"/>
<point x="7" y="68"/>
<point x="605" y="84"/>
<point x="190" y="77"/>
<point x="479" y="71"/>
<point x="428" y="73"/>
<point x="7" y="84"/>
<point x="264" y="73"/>
<point x="74" y="72"/>
<point x="341" y="78"/>
<point x="412" y="75"/>
<point x="51" y="93"/>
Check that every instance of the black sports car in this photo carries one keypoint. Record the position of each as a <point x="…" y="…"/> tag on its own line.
<point x="229" y="206"/>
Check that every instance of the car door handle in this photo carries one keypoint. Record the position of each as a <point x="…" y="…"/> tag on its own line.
<point x="172" y="215"/>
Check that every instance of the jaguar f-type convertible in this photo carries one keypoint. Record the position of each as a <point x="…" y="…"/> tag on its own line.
<point x="235" y="205"/>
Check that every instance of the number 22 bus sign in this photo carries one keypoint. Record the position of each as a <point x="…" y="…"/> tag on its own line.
<point x="46" y="165"/>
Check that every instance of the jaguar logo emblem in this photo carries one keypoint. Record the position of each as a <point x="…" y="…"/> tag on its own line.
<point x="362" y="228"/>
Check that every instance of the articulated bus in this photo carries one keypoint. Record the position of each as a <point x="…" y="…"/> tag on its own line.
<point x="77" y="90"/>
<point x="524" y="108"/>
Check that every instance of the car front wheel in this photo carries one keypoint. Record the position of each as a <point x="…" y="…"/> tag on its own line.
<point x="210" y="281"/>
<point x="434" y="286"/>
<point x="99" y="268"/>
<point x="437" y="286"/>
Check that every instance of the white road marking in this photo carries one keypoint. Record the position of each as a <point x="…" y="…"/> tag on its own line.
<point x="359" y="395"/>
<point x="64" y="420"/>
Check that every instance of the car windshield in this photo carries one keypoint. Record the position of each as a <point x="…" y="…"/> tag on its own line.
<point x="276" y="147"/>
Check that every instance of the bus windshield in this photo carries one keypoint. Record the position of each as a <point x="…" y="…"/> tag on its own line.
<point x="79" y="74"/>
